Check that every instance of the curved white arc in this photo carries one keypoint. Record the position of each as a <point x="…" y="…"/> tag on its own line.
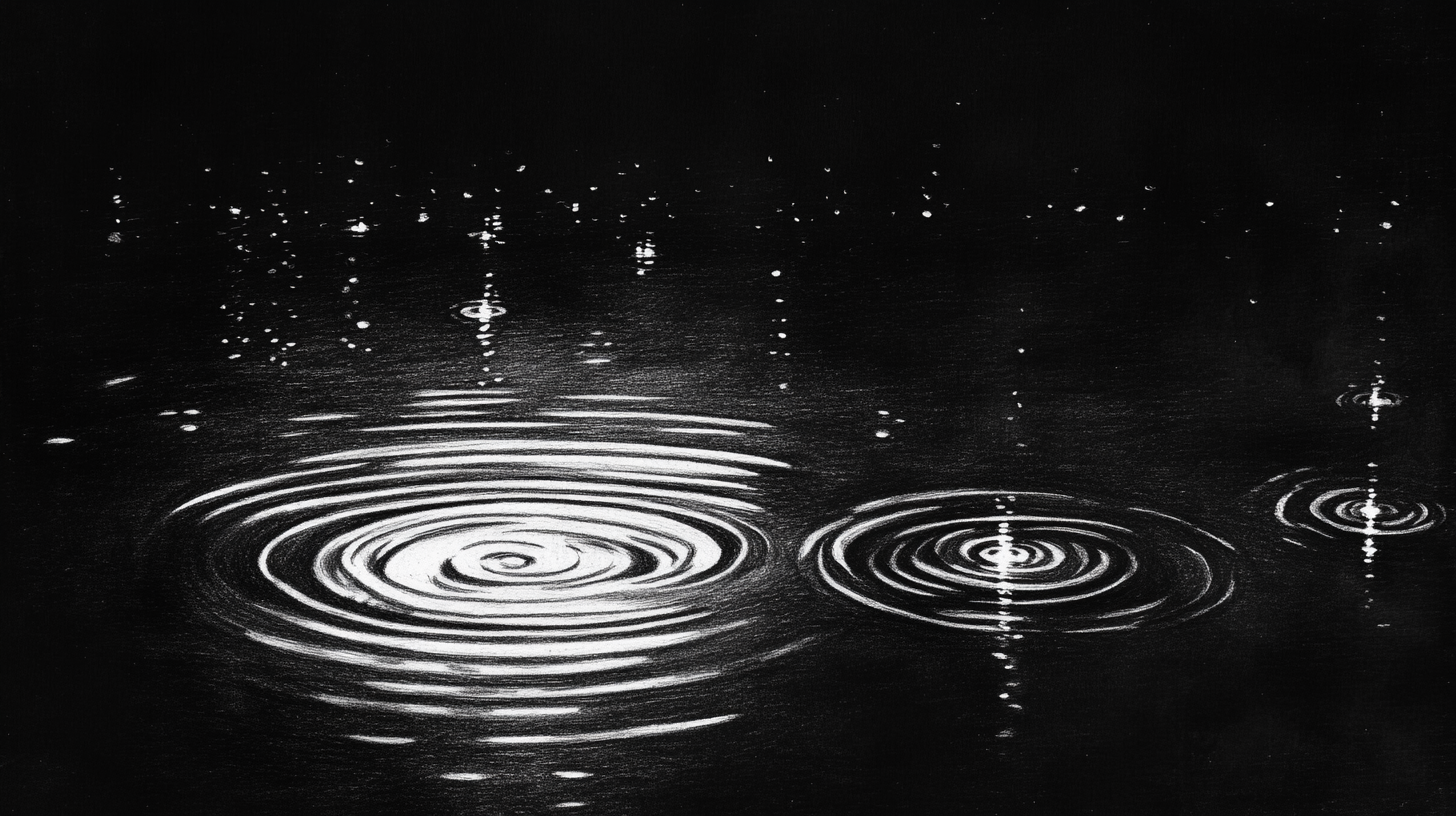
<point x="453" y="668"/>
<point x="462" y="491"/>
<point x="530" y="693"/>
<point x="487" y="649"/>
<point x="627" y="448"/>
<point x="602" y="736"/>
<point x="567" y="461"/>
<point x="664" y="417"/>
<point x="239" y="487"/>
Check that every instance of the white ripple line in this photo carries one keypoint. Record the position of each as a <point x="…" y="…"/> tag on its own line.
<point x="447" y="711"/>
<point x="602" y="736"/>
<point x="451" y="403"/>
<point x="608" y="397"/>
<point x="305" y="488"/>
<point x="417" y="449"/>
<point x="578" y="462"/>
<point x="460" y="426"/>
<point x="452" y="668"/>
<point x="465" y="392"/>
<point x="473" y="692"/>
<point x="587" y="490"/>
<point x="658" y="477"/>
<point x="705" y="420"/>
<point x="252" y="483"/>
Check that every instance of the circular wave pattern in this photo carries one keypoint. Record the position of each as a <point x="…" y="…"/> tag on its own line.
<point x="1027" y="562"/>
<point x="544" y="585"/>
<point x="477" y="311"/>
<point x="1373" y="397"/>
<point x="1332" y="506"/>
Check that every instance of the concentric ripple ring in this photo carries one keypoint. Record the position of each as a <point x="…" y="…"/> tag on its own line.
<point x="1026" y="562"/>
<point x="1333" y="506"/>
<point x="437" y="576"/>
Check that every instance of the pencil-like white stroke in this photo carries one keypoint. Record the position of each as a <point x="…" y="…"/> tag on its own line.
<point x="685" y="418"/>
<point x="604" y="736"/>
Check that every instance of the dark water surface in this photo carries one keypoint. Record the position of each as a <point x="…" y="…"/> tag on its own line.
<point x="974" y="437"/>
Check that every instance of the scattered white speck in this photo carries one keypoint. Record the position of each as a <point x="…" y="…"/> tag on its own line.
<point x="360" y="227"/>
<point x="1385" y="225"/>
<point x="424" y="217"/>
<point x="59" y="440"/>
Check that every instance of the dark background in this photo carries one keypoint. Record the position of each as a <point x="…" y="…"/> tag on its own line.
<point x="1158" y="383"/>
